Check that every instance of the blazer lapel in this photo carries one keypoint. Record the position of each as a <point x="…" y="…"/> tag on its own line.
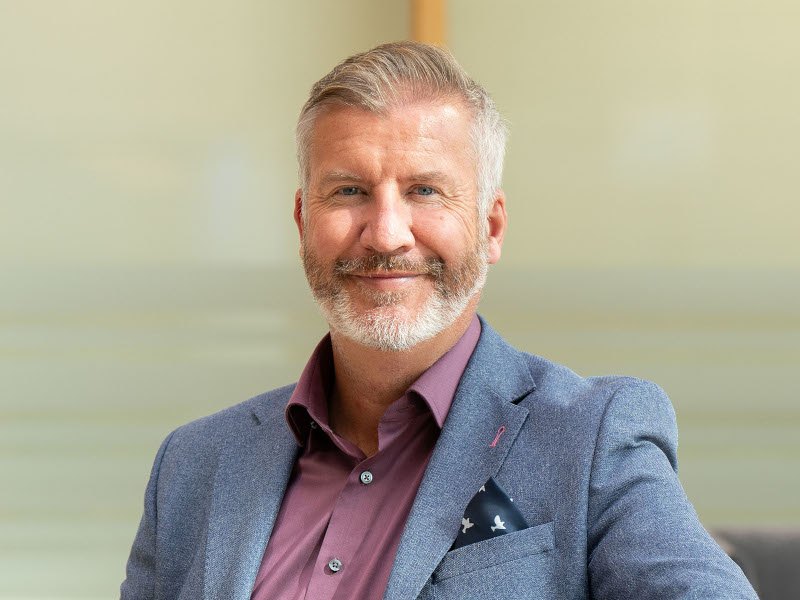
<point x="251" y="478"/>
<point x="465" y="457"/>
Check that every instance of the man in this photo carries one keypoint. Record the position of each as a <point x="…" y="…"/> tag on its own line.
<point x="419" y="456"/>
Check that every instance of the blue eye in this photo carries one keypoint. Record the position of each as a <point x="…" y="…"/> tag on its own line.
<point x="350" y="190"/>
<point x="425" y="190"/>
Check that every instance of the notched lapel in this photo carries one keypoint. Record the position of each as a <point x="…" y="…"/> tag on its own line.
<point x="483" y="412"/>
<point x="250" y="481"/>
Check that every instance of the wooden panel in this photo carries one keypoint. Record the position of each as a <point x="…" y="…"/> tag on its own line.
<point x="428" y="21"/>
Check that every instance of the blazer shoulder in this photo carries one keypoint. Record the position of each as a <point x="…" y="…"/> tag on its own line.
<point x="560" y="387"/>
<point x="552" y="385"/>
<point x="212" y="430"/>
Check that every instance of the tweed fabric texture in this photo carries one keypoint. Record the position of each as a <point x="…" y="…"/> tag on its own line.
<point x="590" y="463"/>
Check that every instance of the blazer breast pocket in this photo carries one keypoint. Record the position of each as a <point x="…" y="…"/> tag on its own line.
<point x="514" y="565"/>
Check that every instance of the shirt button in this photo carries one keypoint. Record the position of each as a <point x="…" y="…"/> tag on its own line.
<point x="335" y="565"/>
<point x="366" y="477"/>
<point x="313" y="424"/>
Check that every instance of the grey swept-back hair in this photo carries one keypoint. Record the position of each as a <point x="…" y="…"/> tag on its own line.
<point x="398" y="73"/>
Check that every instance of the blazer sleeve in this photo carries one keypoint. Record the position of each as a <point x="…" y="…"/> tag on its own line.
<point x="140" y="580"/>
<point x="644" y="537"/>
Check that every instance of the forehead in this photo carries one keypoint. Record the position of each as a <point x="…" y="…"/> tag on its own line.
<point x="432" y="133"/>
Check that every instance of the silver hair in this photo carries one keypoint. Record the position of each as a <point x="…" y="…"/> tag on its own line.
<point x="398" y="73"/>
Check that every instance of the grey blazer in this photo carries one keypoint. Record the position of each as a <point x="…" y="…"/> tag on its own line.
<point x="589" y="462"/>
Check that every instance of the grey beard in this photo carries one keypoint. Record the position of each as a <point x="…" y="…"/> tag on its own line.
<point x="454" y="287"/>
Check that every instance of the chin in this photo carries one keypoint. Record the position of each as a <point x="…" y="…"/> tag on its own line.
<point x="392" y="328"/>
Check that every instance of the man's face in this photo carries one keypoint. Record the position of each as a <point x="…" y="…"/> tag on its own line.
<point x="390" y="238"/>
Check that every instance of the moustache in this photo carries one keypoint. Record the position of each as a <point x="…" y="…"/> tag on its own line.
<point x="432" y="266"/>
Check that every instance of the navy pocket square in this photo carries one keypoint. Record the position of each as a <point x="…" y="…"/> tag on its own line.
<point x="490" y="513"/>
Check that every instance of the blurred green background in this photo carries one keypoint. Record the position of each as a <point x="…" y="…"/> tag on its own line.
<point x="148" y="259"/>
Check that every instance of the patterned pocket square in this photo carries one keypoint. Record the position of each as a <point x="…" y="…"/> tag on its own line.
<point x="490" y="513"/>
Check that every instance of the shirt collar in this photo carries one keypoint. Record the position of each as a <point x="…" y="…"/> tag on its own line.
<point x="436" y="386"/>
<point x="309" y="401"/>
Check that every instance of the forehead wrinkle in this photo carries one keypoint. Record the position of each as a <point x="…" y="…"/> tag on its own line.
<point x="398" y="142"/>
<point x="373" y="166"/>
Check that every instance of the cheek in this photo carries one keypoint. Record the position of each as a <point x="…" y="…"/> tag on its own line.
<point x="332" y="232"/>
<point x="445" y="233"/>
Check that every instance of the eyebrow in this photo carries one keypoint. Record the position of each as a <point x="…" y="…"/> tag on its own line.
<point x="339" y="177"/>
<point x="429" y="175"/>
<point x="435" y="176"/>
<point x="334" y="177"/>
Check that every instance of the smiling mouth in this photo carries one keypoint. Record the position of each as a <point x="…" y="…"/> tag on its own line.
<point x="388" y="267"/>
<point x="386" y="281"/>
<point x="387" y="275"/>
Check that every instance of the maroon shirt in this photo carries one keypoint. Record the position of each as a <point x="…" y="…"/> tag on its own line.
<point x="342" y="516"/>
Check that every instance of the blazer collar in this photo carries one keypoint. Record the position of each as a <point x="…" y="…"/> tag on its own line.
<point x="481" y="427"/>
<point x="254" y="469"/>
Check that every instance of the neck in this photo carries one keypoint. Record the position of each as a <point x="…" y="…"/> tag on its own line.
<point x="369" y="380"/>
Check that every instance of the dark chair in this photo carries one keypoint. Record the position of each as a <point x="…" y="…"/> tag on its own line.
<point x="770" y="557"/>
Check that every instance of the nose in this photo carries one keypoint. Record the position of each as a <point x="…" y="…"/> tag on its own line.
<point x="386" y="228"/>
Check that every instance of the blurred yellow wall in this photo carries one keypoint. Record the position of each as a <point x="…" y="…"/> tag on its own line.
<point x="162" y="131"/>
<point x="645" y="133"/>
<point x="658" y="134"/>
<point x="149" y="266"/>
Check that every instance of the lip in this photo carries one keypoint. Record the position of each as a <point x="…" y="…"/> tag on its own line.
<point x="387" y="275"/>
<point x="386" y="280"/>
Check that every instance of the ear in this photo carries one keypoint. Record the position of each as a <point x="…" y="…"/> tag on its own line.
<point x="497" y="222"/>
<point x="298" y="211"/>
